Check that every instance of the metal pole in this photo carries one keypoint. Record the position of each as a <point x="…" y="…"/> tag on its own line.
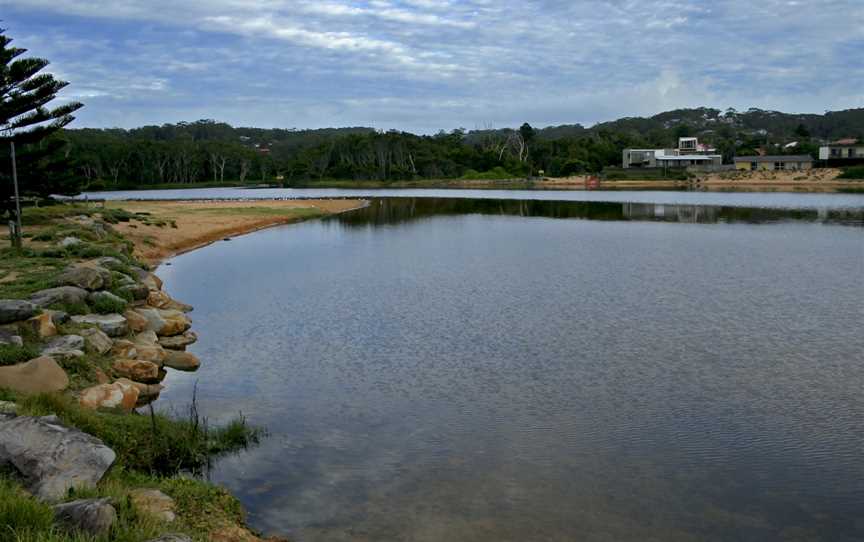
<point x="16" y="240"/>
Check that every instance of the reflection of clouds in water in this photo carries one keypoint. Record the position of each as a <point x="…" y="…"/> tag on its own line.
<point x="499" y="378"/>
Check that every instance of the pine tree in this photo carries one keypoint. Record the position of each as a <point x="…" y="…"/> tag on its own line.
<point x="27" y="126"/>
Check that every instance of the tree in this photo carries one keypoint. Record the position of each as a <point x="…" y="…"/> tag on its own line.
<point x="802" y="131"/>
<point x="26" y="122"/>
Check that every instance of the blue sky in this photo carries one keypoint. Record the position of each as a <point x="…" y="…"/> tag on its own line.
<point x="425" y="65"/>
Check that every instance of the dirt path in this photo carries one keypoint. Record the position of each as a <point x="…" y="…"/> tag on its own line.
<point x="163" y="229"/>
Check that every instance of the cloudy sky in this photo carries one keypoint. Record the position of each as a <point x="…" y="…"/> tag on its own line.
<point x="425" y="65"/>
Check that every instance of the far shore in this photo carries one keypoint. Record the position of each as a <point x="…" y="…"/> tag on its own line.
<point x="814" y="180"/>
<point x="175" y="227"/>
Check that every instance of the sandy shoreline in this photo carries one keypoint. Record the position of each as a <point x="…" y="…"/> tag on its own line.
<point x="175" y="227"/>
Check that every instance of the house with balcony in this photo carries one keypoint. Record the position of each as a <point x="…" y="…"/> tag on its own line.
<point x="690" y="153"/>
<point x="842" y="152"/>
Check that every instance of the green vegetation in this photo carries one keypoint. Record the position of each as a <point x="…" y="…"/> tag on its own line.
<point x="150" y="450"/>
<point x="156" y="444"/>
<point x="105" y="305"/>
<point x="11" y="354"/>
<point x="855" y="172"/>
<point x="494" y="174"/>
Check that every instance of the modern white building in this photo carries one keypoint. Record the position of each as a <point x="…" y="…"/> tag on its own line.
<point x="689" y="153"/>
<point x="844" y="149"/>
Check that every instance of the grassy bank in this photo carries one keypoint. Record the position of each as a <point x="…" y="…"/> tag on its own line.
<point x="152" y="449"/>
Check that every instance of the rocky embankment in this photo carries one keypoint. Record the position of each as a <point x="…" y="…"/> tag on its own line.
<point x="134" y="345"/>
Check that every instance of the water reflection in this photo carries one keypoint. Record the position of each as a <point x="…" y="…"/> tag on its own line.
<point x="401" y="210"/>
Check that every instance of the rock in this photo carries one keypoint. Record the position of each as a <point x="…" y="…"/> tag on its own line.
<point x="161" y="300"/>
<point x="138" y="290"/>
<point x="172" y="538"/>
<point x="182" y="361"/>
<point x="101" y="377"/>
<point x="68" y="342"/>
<point x="149" y="349"/>
<point x="89" y="277"/>
<point x="147" y="393"/>
<point x="51" y="457"/>
<point x="178" y="342"/>
<point x="166" y="323"/>
<point x="113" y="325"/>
<point x="42" y="325"/>
<point x="96" y="297"/>
<point x="96" y="341"/>
<point x="8" y="407"/>
<point x="61" y="294"/>
<point x="93" y="516"/>
<point x="69" y="241"/>
<point x="65" y="347"/>
<point x="147" y="278"/>
<point x="109" y="262"/>
<point x="58" y="317"/>
<point x="39" y="375"/>
<point x="145" y="372"/>
<point x="13" y="310"/>
<point x="153" y="503"/>
<point x="121" y="394"/>
<point x="124" y="349"/>
<point x="137" y="323"/>
<point x="7" y="337"/>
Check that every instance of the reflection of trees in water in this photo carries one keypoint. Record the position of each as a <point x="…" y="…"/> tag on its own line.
<point x="401" y="210"/>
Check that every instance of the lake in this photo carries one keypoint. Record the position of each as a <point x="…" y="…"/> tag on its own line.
<point x="435" y="369"/>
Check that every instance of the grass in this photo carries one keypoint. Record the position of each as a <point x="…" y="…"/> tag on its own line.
<point x="105" y="305"/>
<point x="201" y="508"/>
<point x="11" y="354"/>
<point x="494" y="174"/>
<point x="154" y="444"/>
<point x="150" y="451"/>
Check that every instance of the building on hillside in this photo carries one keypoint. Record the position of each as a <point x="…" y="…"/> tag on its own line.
<point x="844" y="149"/>
<point x="774" y="163"/>
<point x="690" y="153"/>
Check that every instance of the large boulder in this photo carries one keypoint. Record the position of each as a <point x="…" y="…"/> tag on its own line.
<point x="166" y="323"/>
<point x="40" y="375"/>
<point x="139" y="291"/>
<point x="124" y="349"/>
<point x="148" y="348"/>
<point x="161" y="300"/>
<point x="137" y="323"/>
<point x="109" y="262"/>
<point x="92" y="516"/>
<point x="147" y="278"/>
<point x="147" y="393"/>
<point x="114" y="325"/>
<point x="153" y="503"/>
<point x="60" y="295"/>
<point x="42" y="325"/>
<point x="51" y="457"/>
<point x="182" y="361"/>
<point x="122" y="394"/>
<point x="65" y="347"/>
<point x="13" y="310"/>
<point x="179" y="342"/>
<point x="145" y="372"/>
<point x="89" y="277"/>
<point x="96" y="341"/>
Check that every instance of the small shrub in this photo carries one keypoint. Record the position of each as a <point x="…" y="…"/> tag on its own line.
<point x="72" y="309"/>
<point x="854" y="172"/>
<point x="11" y="354"/>
<point x="106" y="305"/>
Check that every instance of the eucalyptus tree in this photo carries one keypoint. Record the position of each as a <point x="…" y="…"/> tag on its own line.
<point x="27" y="122"/>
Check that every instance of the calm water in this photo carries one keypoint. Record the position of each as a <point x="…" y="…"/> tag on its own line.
<point x="458" y="370"/>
